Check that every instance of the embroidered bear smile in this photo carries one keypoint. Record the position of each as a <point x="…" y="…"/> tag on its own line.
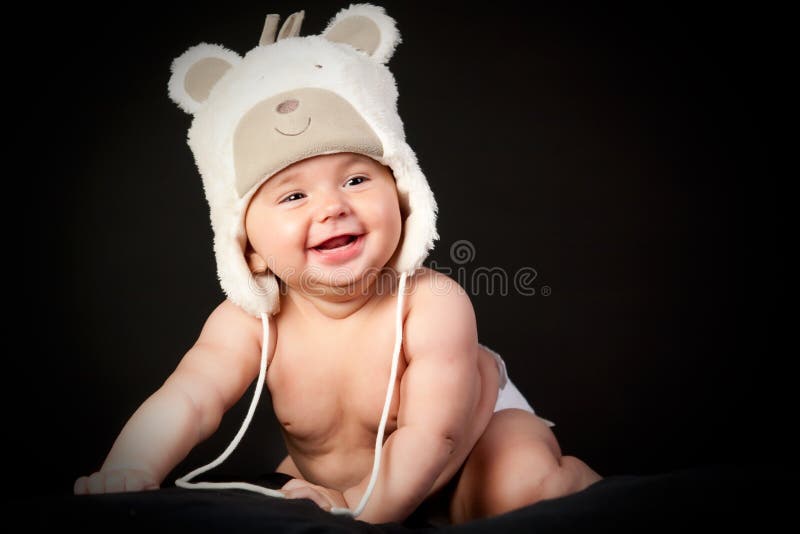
<point x="293" y="134"/>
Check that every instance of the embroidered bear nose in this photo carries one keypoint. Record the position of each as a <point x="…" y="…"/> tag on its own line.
<point x="287" y="106"/>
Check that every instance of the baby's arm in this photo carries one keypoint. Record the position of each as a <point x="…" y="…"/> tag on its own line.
<point x="186" y="409"/>
<point x="439" y="395"/>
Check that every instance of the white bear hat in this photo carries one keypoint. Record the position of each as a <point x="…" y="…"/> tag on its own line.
<point x="287" y="100"/>
<point x="284" y="101"/>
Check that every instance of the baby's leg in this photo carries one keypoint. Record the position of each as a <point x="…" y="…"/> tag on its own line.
<point x="516" y="462"/>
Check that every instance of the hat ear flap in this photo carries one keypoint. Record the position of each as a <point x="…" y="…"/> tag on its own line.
<point x="196" y="72"/>
<point x="366" y="28"/>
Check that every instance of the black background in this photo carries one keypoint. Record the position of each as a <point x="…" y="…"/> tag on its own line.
<point x="622" y="152"/>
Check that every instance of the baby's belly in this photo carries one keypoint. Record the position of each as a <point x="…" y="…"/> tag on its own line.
<point x="341" y="468"/>
<point x="338" y="452"/>
<point x="330" y="431"/>
<point x="330" y="417"/>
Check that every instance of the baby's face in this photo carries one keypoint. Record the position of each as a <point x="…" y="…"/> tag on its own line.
<point x="294" y="215"/>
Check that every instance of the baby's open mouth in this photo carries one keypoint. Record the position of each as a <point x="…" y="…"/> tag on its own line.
<point x="336" y="243"/>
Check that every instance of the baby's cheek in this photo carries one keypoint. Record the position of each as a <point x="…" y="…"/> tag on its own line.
<point x="284" y="234"/>
<point x="397" y="219"/>
<point x="388" y="212"/>
<point x="279" y="242"/>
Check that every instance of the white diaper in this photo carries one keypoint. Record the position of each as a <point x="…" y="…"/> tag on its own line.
<point x="509" y="396"/>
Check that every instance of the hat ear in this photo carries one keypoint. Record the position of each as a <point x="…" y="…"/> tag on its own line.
<point x="366" y="28"/>
<point x="196" y="72"/>
<point x="291" y="26"/>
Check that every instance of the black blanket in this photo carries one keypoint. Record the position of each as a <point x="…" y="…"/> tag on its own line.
<point x="714" y="497"/>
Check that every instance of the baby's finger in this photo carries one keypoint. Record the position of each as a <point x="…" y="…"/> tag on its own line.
<point x="307" y="492"/>
<point x="115" y="483"/>
<point x="295" y="483"/>
<point x="134" y="484"/>
<point x="97" y="483"/>
<point x="137" y="481"/>
<point x="81" y="486"/>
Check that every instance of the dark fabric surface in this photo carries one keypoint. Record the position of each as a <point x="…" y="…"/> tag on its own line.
<point x="715" y="497"/>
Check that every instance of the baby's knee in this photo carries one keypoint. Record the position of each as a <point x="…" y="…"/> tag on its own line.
<point x="557" y="478"/>
<point x="516" y="463"/>
<point x="527" y="477"/>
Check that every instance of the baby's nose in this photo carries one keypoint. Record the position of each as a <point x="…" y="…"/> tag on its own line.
<point x="332" y="207"/>
<point x="287" y="106"/>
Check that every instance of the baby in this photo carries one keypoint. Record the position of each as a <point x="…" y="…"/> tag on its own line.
<point x="320" y="212"/>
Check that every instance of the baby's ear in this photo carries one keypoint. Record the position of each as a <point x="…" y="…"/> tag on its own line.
<point x="366" y="28"/>
<point x="255" y="263"/>
<point x="196" y="72"/>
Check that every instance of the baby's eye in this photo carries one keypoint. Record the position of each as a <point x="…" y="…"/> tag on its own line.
<point x="288" y="198"/>
<point x="358" y="180"/>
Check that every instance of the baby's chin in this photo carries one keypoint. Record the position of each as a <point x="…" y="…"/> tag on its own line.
<point x="342" y="280"/>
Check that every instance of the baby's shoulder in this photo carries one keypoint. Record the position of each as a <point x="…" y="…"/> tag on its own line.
<point x="229" y="324"/>
<point x="436" y="298"/>
<point x="430" y="286"/>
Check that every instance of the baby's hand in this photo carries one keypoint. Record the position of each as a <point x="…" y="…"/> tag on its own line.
<point x="115" y="481"/>
<point x="325" y="498"/>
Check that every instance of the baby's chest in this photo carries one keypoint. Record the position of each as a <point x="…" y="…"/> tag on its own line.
<point x="320" y="391"/>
